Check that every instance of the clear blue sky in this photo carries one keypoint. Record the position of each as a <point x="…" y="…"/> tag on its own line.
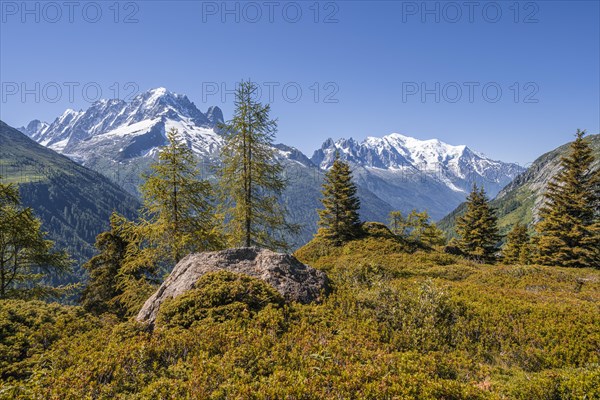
<point x="375" y="55"/>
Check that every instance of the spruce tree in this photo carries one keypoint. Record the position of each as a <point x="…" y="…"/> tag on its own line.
<point x="103" y="270"/>
<point x="27" y="258"/>
<point x="517" y="249"/>
<point x="339" y="220"/>
<point x="178" y="213"/>
<point x="125" y="271"/>
<point x="250" y="176"/>
<point x="477" y="228"/>
<point x="569" y="227"/>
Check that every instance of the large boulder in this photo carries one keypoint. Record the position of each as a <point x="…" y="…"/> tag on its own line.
<point x="294" y="280"/>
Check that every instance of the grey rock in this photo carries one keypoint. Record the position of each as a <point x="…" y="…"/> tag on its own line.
<point x="294" y="280"/>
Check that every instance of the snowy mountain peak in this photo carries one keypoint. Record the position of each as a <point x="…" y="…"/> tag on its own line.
<point x="154" y="106"/>
<point x="393" y="151"/>
<point x="34" y="128"/>
<point x="70" y="114"/>
<point x="327" y="144"/>
<point x="215" y="115"/>
<point x="159" y="91"/>
<point x="455" y="166"/>
<point x="120" y="132"/>
<point x="153" y="96"/>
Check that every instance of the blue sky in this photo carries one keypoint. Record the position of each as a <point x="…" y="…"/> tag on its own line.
<point x="364" y="68"/>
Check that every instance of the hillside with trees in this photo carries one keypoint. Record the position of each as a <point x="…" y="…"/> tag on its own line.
<point x="414" y="325"/>
<point x="400" y="313"/>
<point x="521" y="200"/>
<point x="73" y="202"/>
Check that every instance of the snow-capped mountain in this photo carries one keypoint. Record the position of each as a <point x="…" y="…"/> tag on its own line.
<point x="145" y="118"/>
<point x="35" y="128"/>
<point x="120" y="139"/>
<point x="458" y="167"/>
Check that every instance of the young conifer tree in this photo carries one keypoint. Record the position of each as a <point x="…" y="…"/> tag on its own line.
<point x="125" y="271"/>
<point x="104" y="269"/>
<point x="416" y="227"/>
<point x="478" y="228"/>
<point x="339" y="219"/>
<point x="399" y="224"/>
<point x="178" y="213"/>
<point x="517" y="249"/>
<point x="27" y="259"/>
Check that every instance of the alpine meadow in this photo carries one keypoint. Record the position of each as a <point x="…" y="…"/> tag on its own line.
<point x="290" y="242"/>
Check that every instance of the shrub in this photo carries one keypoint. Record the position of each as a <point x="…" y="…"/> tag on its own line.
<point x="425" y="325"/>
<point x="218" y="296"/>
<point x="29" y="328"/>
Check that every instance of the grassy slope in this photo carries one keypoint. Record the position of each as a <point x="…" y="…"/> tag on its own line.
<point x="73" y="202"/>
<point x="409" y="326"/>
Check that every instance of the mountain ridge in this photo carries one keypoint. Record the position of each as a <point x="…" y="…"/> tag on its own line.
<point x="456" y="166"/>
<point x="159" y="108"/>
<point x="73" y="202"/>
<point x="394" y="172"/>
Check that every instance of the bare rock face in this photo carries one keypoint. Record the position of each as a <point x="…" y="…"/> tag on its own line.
<point x="294" y="280"/>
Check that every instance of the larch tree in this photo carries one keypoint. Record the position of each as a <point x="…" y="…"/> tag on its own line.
<point x="425" y="230"/>
<point x="339" y="219"/>
<point x="416" y="227"/>
<point x="517" y="249"/>
<point x="178" y="213"/>
<point x="478" y="228"/>
<point x="568" y="233"/>
<point x="178" y="217"/>
<point x="27" y="259"/>
<point x="251" y="178"/>
<point x="398" y="224"/>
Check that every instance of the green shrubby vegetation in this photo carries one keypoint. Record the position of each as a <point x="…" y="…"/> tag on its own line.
<point x="404" y="319"/>
<point x="29" y="328"/>
<point x="400" y="323"/>
<point x="218" y="296"/>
